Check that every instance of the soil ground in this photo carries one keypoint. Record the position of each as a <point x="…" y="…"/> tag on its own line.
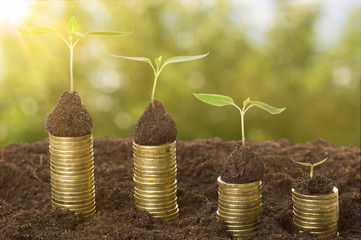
<point x="26" y="213"/>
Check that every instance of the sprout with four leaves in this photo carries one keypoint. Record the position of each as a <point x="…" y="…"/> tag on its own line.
<point x="221" y="100"/>
<point x="158" y="67"/>
<point x="74" y="38"/>
<point x="311" y="165"/>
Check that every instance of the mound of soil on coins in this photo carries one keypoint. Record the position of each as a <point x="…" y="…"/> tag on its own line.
<point x="318" y="184"/>
<point x="155" y="126"/>
<point x="242" y="166"/>
<point x="26" y="211"/>
<point x="69" y="118"/>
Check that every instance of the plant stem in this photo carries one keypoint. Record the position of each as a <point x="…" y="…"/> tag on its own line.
<point x="153" y="90"/>
<point x="71" y="68"/>
<point x="311" y="173"/>
<point x="242" y="126"/>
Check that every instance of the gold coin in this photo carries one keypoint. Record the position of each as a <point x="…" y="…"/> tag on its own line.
<point x="74" y="204"/>
<point x="154" y="180"/>
<point x="166" y="215"/>
<point x="70" y="139"/>
<point x="83" y="198"/>
<point x="86" y="209"/>
<point x="154" y="200"/>
<point x="154" y="168"/>
<point x="239" y="194"/>
<point x="155" y="196"/>
<point x="155" y="171"/>
<point x="166" y="191"/>
<point x="158" y="149"/>
<point x="239" y="210"/>
<point x="235" y="185"/>
<point x="153" y="176"/>
<point x="332" y="201"/>
<point x="315" y="214"/>
<point x="319" y="218"/>
<point x="73" y="148"/>
<point x="72" y="179"/>
<point x="143" y="184"/>
<point x="62" y="144"/>
<point x="155" y="161"/>
<point x="62" y="157"/>
<point x="315" y="208"/>
<point x="245" y="217"/>
<point x="71" y="172"/>
<point x="236" y="214"/>
<point x="74" y="176"/>
<point x="156" y="204"/>
<point x="241" y="204"/>
<point x="241" y="199"/>
<point x="237" y="225"/>
<point x="72" y="167"/>
<point x="332" y="195"/>
<point x="73" y="193"/>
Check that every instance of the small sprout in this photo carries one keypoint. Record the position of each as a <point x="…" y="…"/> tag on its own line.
<point x="74" y="38"/>
<point x="157" y="68"/>
<point x="221" y="100"/>
<point x="311" y="165"/>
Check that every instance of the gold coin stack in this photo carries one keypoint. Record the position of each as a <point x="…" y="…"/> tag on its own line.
<point x="316" y="213"/>
<point x="239" y="206"/>
<point x="72" y="173"/>
<point x="155" y="184"/>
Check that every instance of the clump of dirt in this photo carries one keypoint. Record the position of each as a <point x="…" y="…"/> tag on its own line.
<point x="155" y="126"/>
<point x="318" y="184"/>
<point x="25" y="198"/>
<point x="242" y="166"/>
<point x="69" y="118"/>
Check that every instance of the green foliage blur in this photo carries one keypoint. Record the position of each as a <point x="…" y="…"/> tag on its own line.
<point x="320" y="86"/>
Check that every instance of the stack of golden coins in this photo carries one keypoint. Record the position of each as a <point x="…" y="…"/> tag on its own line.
<point x="155" y="184"/>
<point x="72" y="173"/>
<point x="316" y="213"/>
<point x="239" y="206"/>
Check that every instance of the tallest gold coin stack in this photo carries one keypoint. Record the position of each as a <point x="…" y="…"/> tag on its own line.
<point x="155" y="184"/>
<point x="72" y="173"/>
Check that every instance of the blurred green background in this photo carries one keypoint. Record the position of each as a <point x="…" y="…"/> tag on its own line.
<point x="303" y="55"/>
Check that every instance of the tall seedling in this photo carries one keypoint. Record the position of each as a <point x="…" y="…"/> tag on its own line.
<point x="74" y="38"/>
<point x="158" y="67"/>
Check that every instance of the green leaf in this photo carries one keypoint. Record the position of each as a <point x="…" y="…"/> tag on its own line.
<point x="304" y="164"/>
<point x="214" y="99"/>
<point x="158" y="61"/>
<point x="247" y="101"/>
<point x="320" y="162"/>
<point x="140" y="59"/>
<point x="73" y="26"/>
<point x="183" y="59"/>
<point x="108" y="33"/>
<point x="266" y="107"/>
<point x="37" y="31"/>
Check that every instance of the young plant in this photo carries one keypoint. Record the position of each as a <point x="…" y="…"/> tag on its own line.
<point x="74" y="38"/>
<point x="221" y="100"/>
<point x="312" y="165"/>
<point x="158" y="67"/>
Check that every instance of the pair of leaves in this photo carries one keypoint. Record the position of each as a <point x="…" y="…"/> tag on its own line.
<point x="158" y="66"/>
<point x="221" y="100"/>
<point x="312" y="165"/>
<point x="73" y="29"/>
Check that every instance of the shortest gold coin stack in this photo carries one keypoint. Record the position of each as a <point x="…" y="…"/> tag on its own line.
<point x="239" y="206"/>
<point x="316" y="213"/>
<point x="155" y="184"/>
<point x="72" y="173"/>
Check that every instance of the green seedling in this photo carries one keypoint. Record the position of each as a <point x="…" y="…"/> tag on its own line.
<point x="74" y="38"/>
<point x="158" y="67"/>
<point x="311" y="165"/>
<point x="221" y="100"/>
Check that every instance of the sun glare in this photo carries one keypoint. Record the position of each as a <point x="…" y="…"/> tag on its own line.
<point x="14" y="12"/>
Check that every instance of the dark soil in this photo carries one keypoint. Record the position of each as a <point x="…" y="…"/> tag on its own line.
<point x="242" y="166"/>
<point x="69" y="117"/>
<point x="26" y="213"/>
<point x="318" y="184"/>
<point x="155" y="126"/>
